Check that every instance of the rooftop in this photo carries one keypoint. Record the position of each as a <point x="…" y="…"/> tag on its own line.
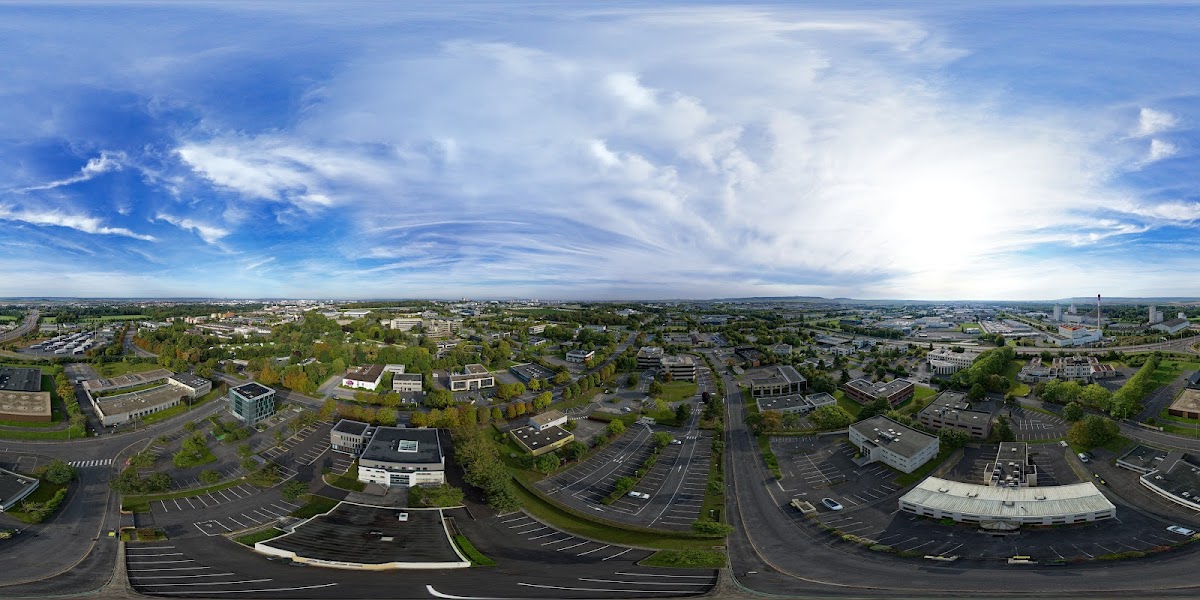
<point x="127" y="380"/>
<point x="889" y="434"/>
<point x="954" y="406"/>
<point x="365" y="373"/>
<point x="1174" y="323"/>
<point x="352" y="427"/>
<point x="1179" y="475"/>
<point x="403" y="445"/>
<point x="407" y="377"/>
<point x="1000" y="502"/>
<point x="12" y="484"/>
<point x="25" y="403"/>
<point x="16" y="379"/>
<point x="879" y="390"/>
<point x="155" y="396"/>
<point x="678" y="361"/>
<point x="781" y="402"/>
<point x="531" y="439"/>
<point x="475" y="369"/>
<point x="1189" y="400"/>
<point x="252" y="390"/>
<point x="650" y="352"/>
<point x="777" y="375"/>
<point x="190" y="380"/>
<point x="1143" y="458"/>
<point x="547" y="417"/>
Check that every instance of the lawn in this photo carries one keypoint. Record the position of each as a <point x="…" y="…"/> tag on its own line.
<point x="114" y="369"/>
<point x="713" y="505"/>
<point x="142" y="503"/>
<point x="347" y="481"/>
<point x="1168" y="370"/>
<point x="685" y="559"/>
<point x="1117" y="444"/>
<point x="468" y="549"/>
<point x="7" y="318"/>
<point x="179" y="408"/>
<point x="44" y="492"/>
<point x="314" y="505"/>
<point x="677" y="391"/>
<point x="847" y="404"/>
<point x="259" y="536"/>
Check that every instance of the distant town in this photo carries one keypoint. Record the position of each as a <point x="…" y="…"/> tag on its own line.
<point x="152" y="442"/>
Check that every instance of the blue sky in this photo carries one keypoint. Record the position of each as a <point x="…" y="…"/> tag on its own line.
<point x="599" y="151"/>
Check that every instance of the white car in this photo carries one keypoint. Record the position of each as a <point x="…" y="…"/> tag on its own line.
<point x="642" y="495"/>
<point x="1180" y="530"/>
<point x="402" y="516"/>
<point x="831" y="504"/>
<point x="676" y="442"/>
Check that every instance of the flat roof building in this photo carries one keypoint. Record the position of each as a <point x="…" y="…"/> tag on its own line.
<point x="529" y="371"/>
<point x="866" y="392"/>
<point x="952" y="409"/>
<point x="403" y="457"/>
<point x="1012" y="467"/>
<point x="407" y="382"/>
<point x="99" y="386"/>
<point x="947" y="362"/>
<point x="1177" y="479"/>
<point x="681" y="367"/>
<point x="473" y="377"/>
<point x="194" y="386"/>
<point x="550" y="418"/>
<point x="884" y="440"/>
<point x="251" y="402"/>
<point x="1142" y="458"/>
<point x="795" y="403"/>
<point x="1187" y="405"/>
<point x="777" y="381"/>
<point x="580" y="356"/>
<point x="19" y="379"/>
<point x="987" y="505"/>
<point x="649" y="357"/>
<point x="541" y="441"/>
<point x="349" y="437"/>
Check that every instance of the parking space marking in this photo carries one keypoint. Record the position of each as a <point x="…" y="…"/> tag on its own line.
<point x="592" y="550"/>
<point x="558" y="541"/>
<point x="618" y="554"/>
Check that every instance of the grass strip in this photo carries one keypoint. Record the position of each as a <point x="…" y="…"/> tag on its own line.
<point x="476" y="557"/>
<point x="685" y="559"/>
<point x="142" y="503"/>
<point x="314" y="505"/>
<point x="259" y="536"/>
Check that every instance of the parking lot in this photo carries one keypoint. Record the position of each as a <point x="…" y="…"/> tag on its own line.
<point x="317" y="431"/>
<point x="371" y="535"/>
<point x="206" y="500"/>
<point x="675" y="484"/>
<point x="533" y="535"/>
<point x="1051" y="465"/>
<point x="162" y="569"/>
<point x="822" y="467"/>
<point x="1030" y="425"/>
<point x="251" y="517"/>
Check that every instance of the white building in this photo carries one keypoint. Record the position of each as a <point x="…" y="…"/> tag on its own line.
<point x="946" y="362"/>
<point x="1173" y="326"/>
<point x="970" y="503"/>
<point x="404" y="323"/>
<point x="397" y="456"/>
<point x="580" y="356"/>
<point x="366" y="377"/>
<point x="1074" y="335"/>
<point x="884" y="440"/>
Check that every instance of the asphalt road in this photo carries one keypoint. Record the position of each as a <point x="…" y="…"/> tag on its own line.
<point x="22" y="329"/>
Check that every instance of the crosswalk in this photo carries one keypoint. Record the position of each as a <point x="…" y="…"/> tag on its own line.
<point x="91" y="463"/>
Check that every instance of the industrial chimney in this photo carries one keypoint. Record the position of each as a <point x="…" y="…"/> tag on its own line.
<point x="1099" y="326"/>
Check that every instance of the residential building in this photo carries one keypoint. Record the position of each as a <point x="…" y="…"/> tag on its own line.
<point x="14" y="488"/>
<point x="349" y="437"/>
<point x="580" y="356"/>
<point x="681" y="367"/>
<point x="649" y="357"/>
<point x="407" y="382"/>
<point x="1035" y="372"/>
<point x="881" y="439"/>
<point x="952" y="409"/>
<point x="366" y="377"/>
<point x="782" y="349"/>
<point x="866" y="392"/>
<point x="251" y="402"/>
<point x="998" y="506"/>
<point x="777" y="381"/>
<point x="473" y="377"/>
<point x="402" y="457"/>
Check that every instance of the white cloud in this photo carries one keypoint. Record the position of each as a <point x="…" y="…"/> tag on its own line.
<point x="58" y="218"/>
<point x="1152" y="121"/>
<point x="211" y="234"/>
<point x="95" y="166"/>
<point x="1159" y="150"/>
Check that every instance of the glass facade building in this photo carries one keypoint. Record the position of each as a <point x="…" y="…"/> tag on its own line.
<point x="251" y="402"/>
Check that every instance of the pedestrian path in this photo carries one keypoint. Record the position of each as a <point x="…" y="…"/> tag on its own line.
<point x="103" y="462"/>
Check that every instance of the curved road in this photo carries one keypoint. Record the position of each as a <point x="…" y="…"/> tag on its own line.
<point x="770" y="553"/>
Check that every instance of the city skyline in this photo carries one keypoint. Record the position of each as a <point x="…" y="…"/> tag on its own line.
<point x="602" y="152"/>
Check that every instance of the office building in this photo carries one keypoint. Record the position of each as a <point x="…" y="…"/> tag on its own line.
<point x="366" y="377"/>
<point x="649" y="357"/>
<point x="473" y="377"/>
<point x="866" y="392"/>
<point x="580" y="356"/>
<point x="395" y="456"/>
<point x="680" y="368"/>
<point x="947" y="362"/>
<point x="251" y="402"/>
<point x="407" y="382"/>
<point x="881" y="439"/>
<point x="953" y="410"/>
<point x="777" y="381"/>
<point x="1004" y="507"/>
<point x="349" y="437"/>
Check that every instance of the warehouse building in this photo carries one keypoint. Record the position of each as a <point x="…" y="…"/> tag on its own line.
<point x="21" y="396"/>
<point x="14" y="488"/>
<point x="1004" y="507"/>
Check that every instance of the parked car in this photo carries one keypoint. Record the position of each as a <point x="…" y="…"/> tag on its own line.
<point x="676" y="442"/>
<point x="1181" y="530"/>
<point x="402" y="517"/>
<point x="1090" y="455"/>
<point x="831" y="504"/>
<point x="642" y="495"/>
<point x="1099" y="479"/>
<point x="1083" y="457"/>
<point x="626" y="409"/>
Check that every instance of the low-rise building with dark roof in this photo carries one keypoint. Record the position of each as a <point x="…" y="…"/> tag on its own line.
<point x="396" y="456"/>
<point x="1193" y="381"/>
<point x="954" y="410"/>
<point x="1177" y="479"/>
<point x="884" y="440"/>
<point x="1187" y="405"/>
<point x="194" y="385"/>
<point x="251" y="402"/>
<point x="366" y="377"/>
<point x="537" y="441"/>
<point x="407" y="382"/>
<point x="14" y="488"/>
<point x="777" y="381"/>
<point x="1142" y="458"/>
<point x="349" y="437"/>
<point x="866" y="392"/>
<point x="20" y="379"/>
<point x="529" y="371"/>
<point x="128" y="380"/>
<point x="753" y="357"/>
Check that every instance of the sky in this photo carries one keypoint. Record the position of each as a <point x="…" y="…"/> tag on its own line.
<point x="943" y="150"/>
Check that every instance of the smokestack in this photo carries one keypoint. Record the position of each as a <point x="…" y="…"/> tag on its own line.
<point x="1098" y="325"/>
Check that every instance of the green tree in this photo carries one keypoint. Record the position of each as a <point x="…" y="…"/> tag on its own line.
<point x="209" y="476"/>
<point x="954" y="438"/>
<point x="57" y="472"/>
<point x="1072" y="411"/>
<point x="1002" y="431"/>
<point x="631" y="381"/>
<point x="293" y="489"/>
<point x="830" y="417"/>
<point x="656" y="388"/>
<point x="575" y="450"/>
<point x="661" y="439"/>
<point x="615" y="427"/>
<point x="547" y="462"/>
<point x="1092" y="431"/>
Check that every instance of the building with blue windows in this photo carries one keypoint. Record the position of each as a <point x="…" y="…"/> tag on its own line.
<point x="251" y="402"/>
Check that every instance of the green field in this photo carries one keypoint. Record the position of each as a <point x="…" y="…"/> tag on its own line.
<point x="347" y="481"/>
<point x="44" y="492"/>
<point x="7" y="318"/>
<point x="113" y="369"/>
<point x="677" y="391"/>
<point x="184" y="461"/>
<point x="847" y="404"/>
<point x="686" y="559"/>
